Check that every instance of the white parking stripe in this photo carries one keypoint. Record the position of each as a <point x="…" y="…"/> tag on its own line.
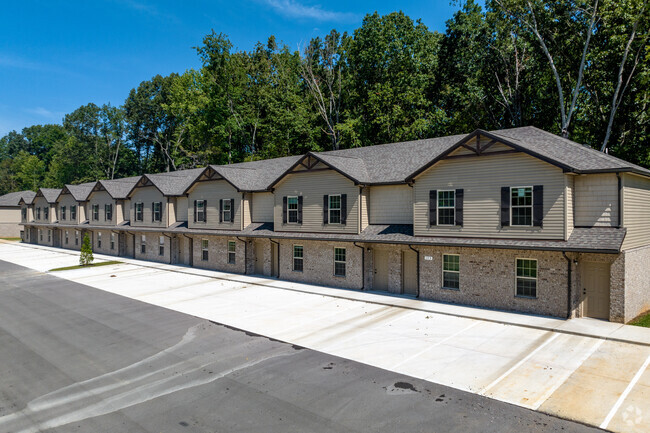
<point x="623" y="396"/>
<point x="519" y="364"/>
<point x="560" y="381"/>
<point x="443" y="341"/>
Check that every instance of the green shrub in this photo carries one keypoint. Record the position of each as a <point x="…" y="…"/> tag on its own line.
<point x="86" y="256"/>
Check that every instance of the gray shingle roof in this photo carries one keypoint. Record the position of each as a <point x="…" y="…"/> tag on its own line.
<point x="119" y="188"/>
<point x="176" y="182"/>
<point x="255" y="175"/>
<point x="50" y="194"/>
<point x="80" y="192"/>
<point x="13" y="198"/>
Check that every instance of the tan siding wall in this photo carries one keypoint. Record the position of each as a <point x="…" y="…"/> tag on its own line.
<point x="365" y="194"/>
<point x="312" y="186"/>
<point x="482" y="205"/>
<point x="9" y="219"/>
<point x="126" y="209"/>
<point x="213" y="191"/>
<point x="42" y="203"/>
<point x="67" y="200"/>
<point x="570" y="197"/>
<point x="119" y="211"/>
<point x="171" y="210"/>
<point x="391" y="204"/>
<point x="596" y="200"/>
<point x="247" y="202"/>
<point x="636" y="211"/>
<point x="101" y="198"/>
<point x="148" y="195"/>
<point x="82" y="212"/>
<point x="262" y="207"/>
<point x="181" y="208"/>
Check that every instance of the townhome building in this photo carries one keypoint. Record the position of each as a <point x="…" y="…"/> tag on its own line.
<point x="43" y="229"/>
<point x="516" y="219"/>
<point x="12" y="213"/>
<point x="72" y="203"/>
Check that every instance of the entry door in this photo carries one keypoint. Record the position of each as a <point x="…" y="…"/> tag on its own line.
<point x="380" y="263"/>
<point x="595" y="280"/>
<point x="409" y="273"/>
<point x="275" y="265"/>
<point x="259" y="258"/>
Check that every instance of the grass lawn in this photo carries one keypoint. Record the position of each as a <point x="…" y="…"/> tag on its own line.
<point x="643" y="320"/>
<point x="110" y="262"/>
<point x="10" y="239"/>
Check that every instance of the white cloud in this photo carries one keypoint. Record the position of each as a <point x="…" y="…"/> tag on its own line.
<point x="294" y="9"/>
<point x="44" y="112"/>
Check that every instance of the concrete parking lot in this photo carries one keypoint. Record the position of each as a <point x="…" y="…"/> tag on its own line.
<point x="591" y="380"/>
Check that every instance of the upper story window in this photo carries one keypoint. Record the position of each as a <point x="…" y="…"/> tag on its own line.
<point x="38" y="213"/>
<point x="526" y="278"/>
<point x="63" y="213"/>
<point x="335" y="209"/>
<point x="199" y="211"/>
<point x="139" y="211"/>
<point x="292" y="209"/>
<point x="108" y="212"/>
<point x="46" y="213"/>
<point x="157" y="211"/>
<point x="95" y="212"/>
<point x="446" y="208"/>
<point x="24" y="213"/>
<point x="226" y="211"/>
<point x="522" y="206"/>
<point x="73" y="213"/>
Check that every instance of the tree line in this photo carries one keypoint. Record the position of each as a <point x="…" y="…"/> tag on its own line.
<point x="578" y="68"/>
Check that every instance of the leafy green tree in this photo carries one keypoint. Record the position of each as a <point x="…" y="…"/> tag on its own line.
<point x="29" y="171"/>
<point x="86" y="256"/>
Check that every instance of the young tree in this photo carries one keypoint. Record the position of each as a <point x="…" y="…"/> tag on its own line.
<point x="86" y="256"/>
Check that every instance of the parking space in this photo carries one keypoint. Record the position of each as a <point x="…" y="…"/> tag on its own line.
<point x="591" y="380"/>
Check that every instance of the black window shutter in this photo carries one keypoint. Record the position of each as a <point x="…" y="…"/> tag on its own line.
<point x="325" y="209"/>
<point x="344" y="208"/>
<point x="538" y="205"/>
<point x="433" y="207"/>
<point x="505" y="206"/>
<point x="205" y="211"/>
<point x="460" y="195"/>
<point x="220" y="210"/>
<point x="232" y="210"/>
<point x="284" y="209"/>
<point x="299" y="209"/>
<point x="152" y="206"/>
<point x="194" y="210"/>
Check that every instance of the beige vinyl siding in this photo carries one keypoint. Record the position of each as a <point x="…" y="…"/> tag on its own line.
<point x="213" y="191"/>
<point x="101" y="198"/>
<point x="126" y="209"/>
<point x="118" y="213"/>
<point x="181" y="208"/>
<point x="81" y="211"/>
<point x="68" y="200"/>
<point x="148" y="195"/>
<point x="171" y="210"/>
<point x="391" y="204"/>
<point x="246" y="203"/>
<point x="262" y="207"/>
<point x="482" y="202"/>
<point x="363" y="200"/>
<point x="569" y="204"/>
<point x="596" y="200"/>
<point x="312" y="186"/>
<point x="636" y="211"/>
<point x="42" y="203"/>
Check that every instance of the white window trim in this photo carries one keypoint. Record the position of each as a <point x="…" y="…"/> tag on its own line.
<point x="438" y="207"/>
<point x="293" y="262"/>
<point x="112" y="241"/>
<point x="135" y="211"/>
<point x="95" y="218"/>
<point x="161" y="245"/>
<point x="442" y="272"/>
<point x="206" y="249"/>
<point x="223" y="210"/>
<point x="292" y="210"/>
<point x="234" y="262"/>
<point x="329" y="209"/>
<point x="159" y="211"/>
<point x="99" y="239"/>
<point x="527" y="278"/>
<point x="200" y="213"/>
<point x="338" y="261"/>
<point x="532" y="201"/>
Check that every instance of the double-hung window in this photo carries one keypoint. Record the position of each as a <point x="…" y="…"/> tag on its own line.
<point x="95" y="212"/>
<point x="161" y="246"/>
<point x="76" y="237"/>
<point x="38" y="213"/>
<point x="226" y="210"/>
<point x="200" y="210"/>
<point x="24" y="213"/>
<point x="73" y="213"/>
<point x="66" y="237"/>
<point x="297" y="258"/>
<point x="157" y="211"/>
<point x="292" y="209"/>
<point x="526" y="279"/>
<point x="40" y="234"/>
<point x="63" y="213"/>
<point x="139" y="211"/>
<point x="143" y="244"/>
<point x="46" y="213"/>
<point x="446" y="208"/>
<point x="112" y="241"/>
<point x="521" y="206"/>
<point x="108" y="212"/>
<point x="232" y="257"/>
<point x="99" y="240"/>
<point x="49" y="235"/>
<point x="339" y="262"/>
<point x="451" y="271"/>
<point x="204" y="250"/>
<point x="334" y="208"/>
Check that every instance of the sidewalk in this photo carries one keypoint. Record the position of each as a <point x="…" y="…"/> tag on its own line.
<point x="585" y="327"/>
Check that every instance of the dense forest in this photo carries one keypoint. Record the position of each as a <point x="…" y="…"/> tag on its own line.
<point x="577" y="68"/>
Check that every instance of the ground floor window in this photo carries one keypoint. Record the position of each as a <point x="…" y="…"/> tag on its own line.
<point x="40" y="234"/>
<point x="99" y="240"/>
<point x="231" y="252"/>
<point x="49" y="235"/>
<point x="339" y="262"/>
<point x="76" y="237"/>
<point x="143" y="244"/>
<point x="297" y="258"/>
<point x="66" y="237"/>
<point x="161" y="246"/>
<point x="526" y="279"/>
<point x="204" y="250"/>
<point x="112" y="241"/>
<point x="451" y="271"/>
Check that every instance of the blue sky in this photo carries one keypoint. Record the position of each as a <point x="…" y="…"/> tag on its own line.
<point x="57" y="55"/>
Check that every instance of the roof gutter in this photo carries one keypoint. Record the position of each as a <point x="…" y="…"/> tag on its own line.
<point x="620" y="197"/>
